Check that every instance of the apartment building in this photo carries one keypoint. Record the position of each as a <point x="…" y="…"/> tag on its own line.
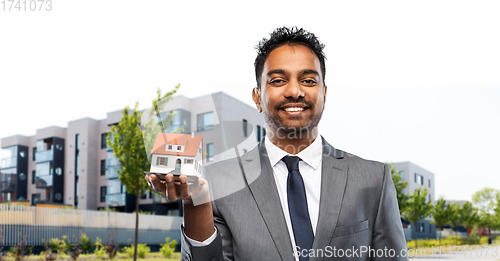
<point x="73" y="166"/>
<point x="418" y="177"/>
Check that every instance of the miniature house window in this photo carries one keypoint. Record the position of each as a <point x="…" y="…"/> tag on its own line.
<point x="169" y="147"/>
<point x="161" y="161"/>
<point x="178" y="147"/>
<point x="188" y="161"/>
<point x="199" y="150"/>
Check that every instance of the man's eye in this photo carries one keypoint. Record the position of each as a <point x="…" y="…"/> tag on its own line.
<point x="277" y="81"/>
<point x="309" y="81"/>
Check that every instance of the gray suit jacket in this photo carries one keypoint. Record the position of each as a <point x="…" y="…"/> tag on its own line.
<point x="358" y="211"/>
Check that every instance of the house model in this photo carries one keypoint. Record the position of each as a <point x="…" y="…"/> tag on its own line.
<point x="178" y="154"/>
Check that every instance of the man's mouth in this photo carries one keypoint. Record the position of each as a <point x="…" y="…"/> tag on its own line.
<point x="293" y="109"/>
<point x="296" y="108"/>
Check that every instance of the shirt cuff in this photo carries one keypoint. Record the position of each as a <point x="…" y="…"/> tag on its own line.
<point x="196" y="243"/>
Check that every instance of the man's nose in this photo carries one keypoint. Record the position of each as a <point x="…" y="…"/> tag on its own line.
<point x="293" y="90"/>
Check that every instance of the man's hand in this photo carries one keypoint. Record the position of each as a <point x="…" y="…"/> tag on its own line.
<point x="198" y="217"/>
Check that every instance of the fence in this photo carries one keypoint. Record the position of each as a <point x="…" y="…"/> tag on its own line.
<point x="45" y="223"/>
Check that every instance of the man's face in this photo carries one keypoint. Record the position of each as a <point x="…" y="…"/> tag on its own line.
<point x="292" y="94"/>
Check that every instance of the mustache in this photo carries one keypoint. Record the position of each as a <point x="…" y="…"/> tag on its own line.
<point x="278" y="105"/>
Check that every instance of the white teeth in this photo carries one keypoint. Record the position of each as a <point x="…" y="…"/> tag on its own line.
<point x="294" y="109"/>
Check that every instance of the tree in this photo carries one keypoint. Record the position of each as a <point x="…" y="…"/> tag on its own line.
<point x="441" y="214"/>
<point x="485" y="200"/>
<point x="400" y="185"/>
<point x="418" y="208"/>
<point x="469" y="216"/>
<point x="130" y="149"/>
<point x="455" y="218"/>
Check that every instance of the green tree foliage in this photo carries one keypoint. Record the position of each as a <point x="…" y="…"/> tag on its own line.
<point x="400" y="185"/>
<point x="486" y="200"/>
<point x="131" y="149"/>
<point x="418" y="208"/>
<point x="454" y="217"/>
<point x="440" y="214"/>
<point x="469" y="216"/>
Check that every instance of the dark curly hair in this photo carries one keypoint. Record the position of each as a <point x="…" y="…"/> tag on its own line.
<point x="291" y="36"/>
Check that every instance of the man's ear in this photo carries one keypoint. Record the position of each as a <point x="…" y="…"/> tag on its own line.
<point x="324" y="94"/>
<point x="256" y="98"/>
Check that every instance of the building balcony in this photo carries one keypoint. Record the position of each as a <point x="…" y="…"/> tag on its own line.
<point x="45" y="155"/>
<point x="43" y="181"/>
<point x="115" y="200"/>
<point x="8" y="163"/>
<point x="112" y="172"/>
<point x="8" y="183"/>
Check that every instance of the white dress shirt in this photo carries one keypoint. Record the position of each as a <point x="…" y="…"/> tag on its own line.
<point x="310" y="169"/>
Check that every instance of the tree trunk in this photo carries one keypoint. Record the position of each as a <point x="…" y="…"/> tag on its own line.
<point x="440" y="234"/>
<point x="136" y="223"/>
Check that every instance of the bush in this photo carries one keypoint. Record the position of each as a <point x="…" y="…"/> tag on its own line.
<point x="142" y="250"/>
<point x="87" y="244"/>
<point x="168" y="247"/>
<point x="54" y="244"/>
<point x="100" y="249"/>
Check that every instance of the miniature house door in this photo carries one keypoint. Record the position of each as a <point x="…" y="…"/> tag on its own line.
<point x="178" y="165"/>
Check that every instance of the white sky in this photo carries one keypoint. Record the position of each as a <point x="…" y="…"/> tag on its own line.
<point x="407" y="81"/>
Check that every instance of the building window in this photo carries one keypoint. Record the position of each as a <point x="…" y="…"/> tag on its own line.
<point x="178" y="147"/>
<point x="210" y="152"/>
<point x="103" y="140"/>
<point x="205" y="121"/>
<point x="33" y="177"/>
<point x="103" y="194"/>
<point x="258" y="133"/>
<point x="245" y="127"/>
<point x="422" y="228"/>
<point x="34" y="153"/>
<point x="429" y="183"/>
<point x="145" y="196"/>
<point x="103" y="167"/>
<point x="430" y="197"/>
<point x="188" y="161"/>
<point x="150" y="194"/>
<point x="169" y="147"/>
<point x="35" y="198"/>
<point x="419" y="179"/>
<point x="161" y="161"/>
<point x="263" y="132"/>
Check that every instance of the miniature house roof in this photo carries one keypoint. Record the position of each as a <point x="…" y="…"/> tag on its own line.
<point x="190" y="143"/>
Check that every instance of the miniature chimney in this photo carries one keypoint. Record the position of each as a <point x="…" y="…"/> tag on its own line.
<point x="192" y="134"/>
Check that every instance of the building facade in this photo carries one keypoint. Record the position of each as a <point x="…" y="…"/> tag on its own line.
<point x="73" y="165"/>
<point x="418" y="177"/>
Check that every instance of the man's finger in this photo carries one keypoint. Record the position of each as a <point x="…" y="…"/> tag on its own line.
<point x="171" y="193"/>
<point x="184" y="187"/>
<point x="157" y="185"/>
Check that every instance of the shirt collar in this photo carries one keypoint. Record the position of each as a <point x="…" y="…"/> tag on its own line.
<point x="312" y="155"/>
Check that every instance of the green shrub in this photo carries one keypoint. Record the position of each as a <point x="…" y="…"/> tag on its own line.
<point x="484" y="240"/>
<point x="168" y="247"/>
<point x="142" y="250"/>
<point x="87" y="244"/>
<point x="100" y="249"/>
<point x="54" y="244"/>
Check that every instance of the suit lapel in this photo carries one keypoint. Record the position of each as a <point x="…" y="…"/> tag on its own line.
<point x="262" y="185"/>
<point x="333" y="183"/>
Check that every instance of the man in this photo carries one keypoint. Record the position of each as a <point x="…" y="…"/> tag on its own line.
<point x="302" y="199"/>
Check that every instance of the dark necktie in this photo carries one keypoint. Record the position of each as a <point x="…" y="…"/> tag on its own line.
<point x="297" y="205"/>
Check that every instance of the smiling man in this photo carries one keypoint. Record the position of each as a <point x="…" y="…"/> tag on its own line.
<point x="302" y="199"/>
